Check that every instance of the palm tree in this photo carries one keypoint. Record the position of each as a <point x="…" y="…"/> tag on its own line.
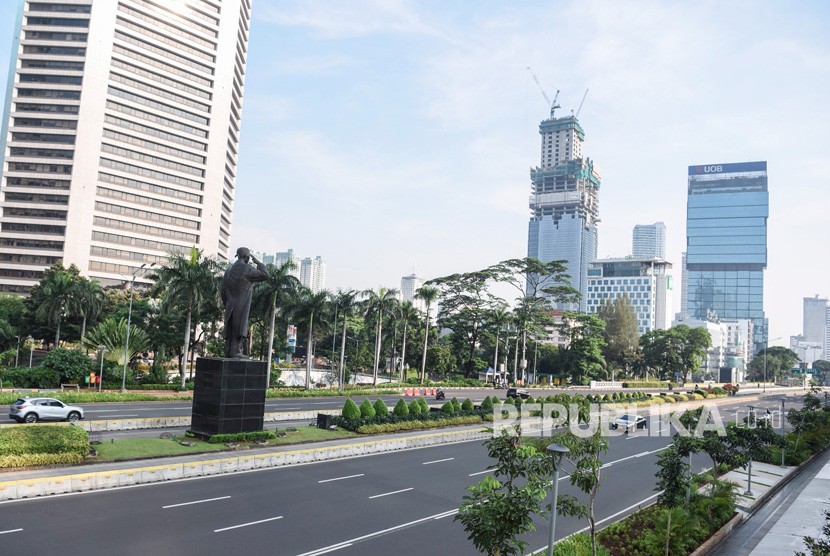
<point x="272" y="295"/>
<point x="112" y="335"/>
<point x="428" y="294"/>
<point x="56" y="295"/>
<point x="407" y="312"/>
<point x="305" y="307"/>
<point x="499" y="318"/>
<point x="185" y="282"/>
<point x="88" y="301"/>
<point x="378" y="304"/>
<point x="346" y="302"/>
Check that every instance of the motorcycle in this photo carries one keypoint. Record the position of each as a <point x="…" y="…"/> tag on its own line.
<point x="439" y="395"/>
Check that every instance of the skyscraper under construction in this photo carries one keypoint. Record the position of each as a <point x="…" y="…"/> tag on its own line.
<point x="563" y="203"/>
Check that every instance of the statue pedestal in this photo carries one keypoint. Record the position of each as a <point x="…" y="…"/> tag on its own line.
<point x="228" y="396"/>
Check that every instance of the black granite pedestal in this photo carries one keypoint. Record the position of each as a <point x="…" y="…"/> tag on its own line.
<point x="228" y="396"/>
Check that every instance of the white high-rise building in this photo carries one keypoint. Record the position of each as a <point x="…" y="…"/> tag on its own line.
<point x="646" y="282"/>
<point x="649" y="240"/>
<point x="409" y="287"/>
<point x="120" y="134"/>
<point x="282" y="257"/>
<point x="313" y="273"/>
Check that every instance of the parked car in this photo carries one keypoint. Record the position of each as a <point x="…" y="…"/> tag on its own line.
<point x="629" y="422"/>
<point x="32" y="410"/>
<point x="518" y="393"/>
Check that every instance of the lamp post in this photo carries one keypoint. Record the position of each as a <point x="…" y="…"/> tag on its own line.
<point x="129" y="322"/>
<point x="101" y="371"/>
<point x="31" y="349"/>
<point x="17" y="352"/>
<point x="749" y="459"/>
<point x="557" y="452"/>
<point x="783" y="399"/>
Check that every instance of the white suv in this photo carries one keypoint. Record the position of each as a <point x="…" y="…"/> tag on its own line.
<point x="32" y="410"/>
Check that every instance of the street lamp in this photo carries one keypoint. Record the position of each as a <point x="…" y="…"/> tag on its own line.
<point x="31" y="349"/>
<point x="129" y="321"/>
<point x="749" y="459"/>
<point x="17" y="352"/>
<point x="101" y="372"/>
<point x="783" y="399"/>
<point x="557" y="452"/>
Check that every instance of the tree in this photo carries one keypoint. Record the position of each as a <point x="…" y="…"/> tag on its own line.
<point x="112" y="334"/>
<point x="582" y="356"/>
<point x="53" y="297"/>
<point x="501" y="507"/>
<point x="585" y="452"/>
<point x="622" y="338"/>
<point x="273" y="294"/>
<point x="821" y="368"/>
<point x="673" y="480"/>
<point x="677" y="350"/>
<point x="407" y="313"/>
<point x="772" y="362"/>
<point x="88" y="301"/>
<point x="306" y="306"/>
<point x="428" y="294"/>
<point x="347" y="302"/>
<point x="187" y="281"/>
<point x="378" y="304"/>
<point x="71" y="364"/>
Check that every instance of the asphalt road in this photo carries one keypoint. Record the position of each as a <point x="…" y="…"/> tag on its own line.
<point x="401" y="503"/>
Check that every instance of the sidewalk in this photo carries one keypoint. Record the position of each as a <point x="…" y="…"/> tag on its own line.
<point x="790" y="514"/>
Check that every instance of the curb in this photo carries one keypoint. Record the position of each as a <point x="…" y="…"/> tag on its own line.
<point x="84" y="482"/>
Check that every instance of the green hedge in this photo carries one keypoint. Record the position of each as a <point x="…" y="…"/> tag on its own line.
<point x="417" y="424"/>
<point x="39" y="459"/>
<point x="302" y="393"/>
<point x="241" y="437"/>
<point x="44" y="439"/>
<point x="652" y="384"/>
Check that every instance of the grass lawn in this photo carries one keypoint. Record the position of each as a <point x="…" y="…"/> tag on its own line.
<point x="139" y="448"/>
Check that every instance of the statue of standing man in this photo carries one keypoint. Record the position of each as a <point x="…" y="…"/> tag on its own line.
<point x="237" y="287"/>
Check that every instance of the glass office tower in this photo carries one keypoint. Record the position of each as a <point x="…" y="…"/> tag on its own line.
<point x="726" y="243"/>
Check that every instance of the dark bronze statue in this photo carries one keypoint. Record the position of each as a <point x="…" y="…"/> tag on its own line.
<point x="237" y="287"/>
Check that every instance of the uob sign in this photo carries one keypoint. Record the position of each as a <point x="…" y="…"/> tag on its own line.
<point x="712" y="168"/>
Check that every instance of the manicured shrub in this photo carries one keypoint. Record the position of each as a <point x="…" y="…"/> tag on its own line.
<point x="350" y="410"/>
<point x="416" y="425"/>
<point x="424" y="405"/>
<point x="415" y="407"/>
<point x="380" y="408"/>
<point x="487" y="404"/>
<point x="71" y="364"/>
<point x="530" y="400"/>
<point x="44" y="439"/>
<point x="367" y="410"/>
<point x="448" y="408"/>
<point x="37" y="377"/>
<point x="467" y="405"/>
<point x="456" y="404"/>
<point x="241" y="437"/>
<point x="401" y="409"/>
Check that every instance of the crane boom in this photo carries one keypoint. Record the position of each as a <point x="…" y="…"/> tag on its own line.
<point x="581" y="103"/>
<point x="552" y="104"/>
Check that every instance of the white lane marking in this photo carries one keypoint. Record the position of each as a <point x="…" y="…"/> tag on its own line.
<point x="481" y="473"/>
<point x="437" y="461"/>
<point x="10" y="531"/>
<point x="195" y="502"/>
<point x="350" y="542"/>
<point x="247" y="524"/>
<point x="393" y="492"/>
<point x="341" y="478"/>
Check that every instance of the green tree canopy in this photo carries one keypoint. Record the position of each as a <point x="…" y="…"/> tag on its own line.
<point x="622" y="337"/>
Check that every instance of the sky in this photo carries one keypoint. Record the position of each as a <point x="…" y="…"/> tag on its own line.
<point x="395" y="136"/>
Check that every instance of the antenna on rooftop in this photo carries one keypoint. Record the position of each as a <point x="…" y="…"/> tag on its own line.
<point x="551" y="103"/>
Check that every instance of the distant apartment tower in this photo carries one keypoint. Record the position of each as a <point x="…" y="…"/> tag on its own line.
<point x="282" y="257"/>
<point x="649" y="240"/>
<point x="313" y="274"/>
<point x="564" y="204"/>
<point x="409" y="287"/>
<point x="120" y="134"/>
<point x="726" y="244"/>
<point x="646" y="282"/>
<point x="812" y="344"/>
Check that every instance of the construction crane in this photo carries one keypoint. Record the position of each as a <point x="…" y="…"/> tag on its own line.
<point x="551" y="103"/>
<point x="581" y="103"/>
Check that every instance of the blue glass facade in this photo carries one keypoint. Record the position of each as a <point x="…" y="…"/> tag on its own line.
<point x="726" y="243"/>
